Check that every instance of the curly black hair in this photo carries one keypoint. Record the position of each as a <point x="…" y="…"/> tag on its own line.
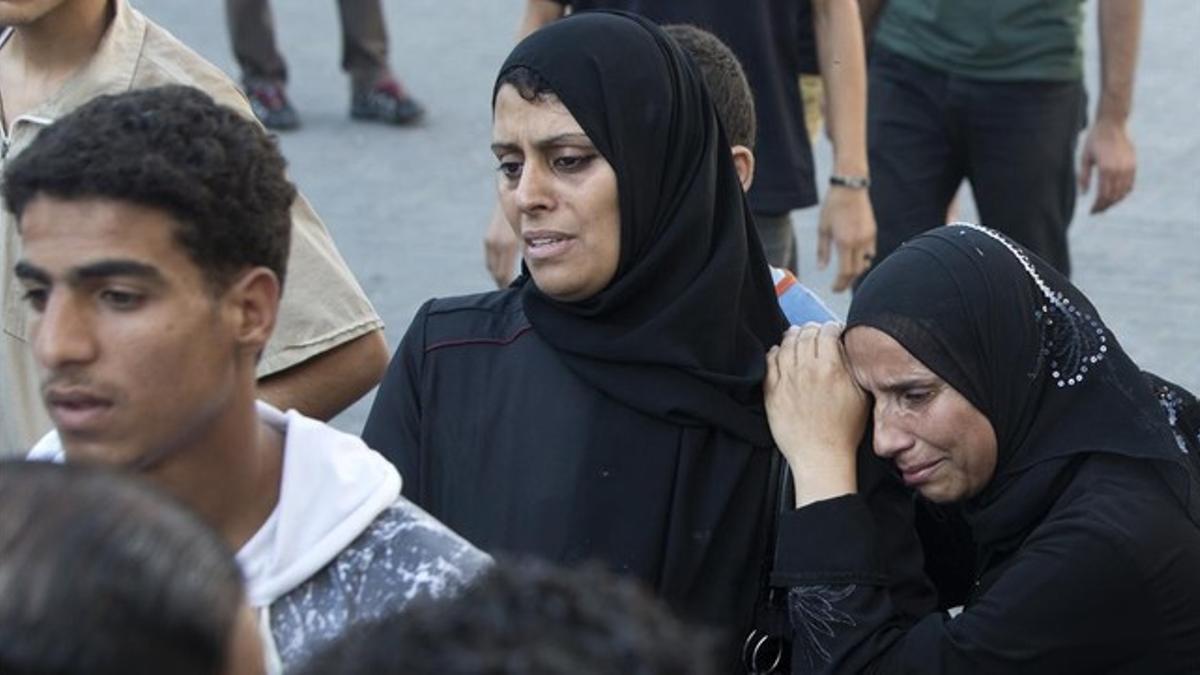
<point x="526" y="618"/>
<point x="173" y="148"/>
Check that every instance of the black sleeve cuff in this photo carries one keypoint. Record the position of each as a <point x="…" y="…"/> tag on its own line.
<point x="828" y="542"/>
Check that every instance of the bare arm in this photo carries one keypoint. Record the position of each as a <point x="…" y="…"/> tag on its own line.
<point x="500" y="249"/>
<point x="1120" y="29"/>
<point x="846" y="216"/>
<point x="331" y="381"/>
<point x="538" y="13"/>
<point x="1108" y="147"/>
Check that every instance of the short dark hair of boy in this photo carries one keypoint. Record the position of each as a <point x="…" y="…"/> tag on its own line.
<point x="101" y="573"/>
<point x="172" y="148"/>
<point x="526" y="617"/>
<point x="725" y="79"/>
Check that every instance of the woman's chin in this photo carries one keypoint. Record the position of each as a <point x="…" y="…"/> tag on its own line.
<point x="562" y="285"/>
<point x="939" y="493"/>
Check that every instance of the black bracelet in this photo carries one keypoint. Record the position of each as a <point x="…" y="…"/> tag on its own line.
<point x="853" y="182"/>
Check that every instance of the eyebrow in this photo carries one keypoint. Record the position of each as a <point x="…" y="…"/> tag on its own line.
<point x="904" y="384"/>
<point x="28" y="272"/>
<point x="100" y="269"/>
<point x="570" y="138"/>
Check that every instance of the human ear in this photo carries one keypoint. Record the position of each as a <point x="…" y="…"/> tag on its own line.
<point x="743" y="163"/>
<point x="253" y="304"/>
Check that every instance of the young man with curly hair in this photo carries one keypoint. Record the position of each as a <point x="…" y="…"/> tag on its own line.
<point x="328" y="348"/>
<point x="155" y="233"/>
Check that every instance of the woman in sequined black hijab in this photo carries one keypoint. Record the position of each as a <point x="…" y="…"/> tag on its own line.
<point x="997" y="387"/>
<point x="1029" y="351"/>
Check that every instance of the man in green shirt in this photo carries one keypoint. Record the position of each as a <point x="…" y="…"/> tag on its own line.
<point x="992" y="91"/>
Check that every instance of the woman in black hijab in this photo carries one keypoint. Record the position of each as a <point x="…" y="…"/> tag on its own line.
<point x="996" y="387"/>
<point x="609" y="404"/>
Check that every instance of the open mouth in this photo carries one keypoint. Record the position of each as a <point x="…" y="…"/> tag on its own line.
<point x="540" y="246"/>
<point x="77" y="412"/>
<point x="538" y="242"/>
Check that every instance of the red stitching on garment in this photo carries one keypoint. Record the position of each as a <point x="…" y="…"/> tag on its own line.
<point x="479" y="341"/>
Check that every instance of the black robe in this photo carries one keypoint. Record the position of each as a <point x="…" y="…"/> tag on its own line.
<point x="1088" y="532"/>
<point x="629" y="426"/>
<point x="1106" y="582"/>
<point x="503" y="443"/>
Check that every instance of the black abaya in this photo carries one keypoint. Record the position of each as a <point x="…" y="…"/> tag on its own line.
<point x="1088" y="531"/>
<point x="629" y="426"/>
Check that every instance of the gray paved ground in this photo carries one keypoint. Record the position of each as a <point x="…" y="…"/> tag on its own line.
<point x="407" y="206"/>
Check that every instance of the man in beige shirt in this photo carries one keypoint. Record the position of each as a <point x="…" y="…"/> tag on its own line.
<point x="328" y="347"/>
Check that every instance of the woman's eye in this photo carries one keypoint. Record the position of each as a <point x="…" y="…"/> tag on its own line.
<point x="569" y="163"/>
<point x="510" y="169"/>
<point x="916" y="397"/>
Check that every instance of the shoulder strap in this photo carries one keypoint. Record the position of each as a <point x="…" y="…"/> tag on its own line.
<point x="765" y="649"/>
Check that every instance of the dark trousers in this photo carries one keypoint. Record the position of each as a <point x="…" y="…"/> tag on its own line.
<point x="364" y="40"/>
<point x="1015" y="142"/>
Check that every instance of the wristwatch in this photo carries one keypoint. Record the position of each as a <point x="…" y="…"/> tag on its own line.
<point x="853" y="182"/>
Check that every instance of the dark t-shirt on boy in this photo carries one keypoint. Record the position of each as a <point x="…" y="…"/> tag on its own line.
<point x="762" y="33"/>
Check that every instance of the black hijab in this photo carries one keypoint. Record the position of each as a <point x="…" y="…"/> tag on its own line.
<point x="681" y="330"/>
<point x="1030" y="352"/>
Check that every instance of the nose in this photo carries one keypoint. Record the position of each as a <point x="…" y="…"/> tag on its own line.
<point x="890" y="437"/>
<point x="63" y="334"/>
<point x="533" y="191"/>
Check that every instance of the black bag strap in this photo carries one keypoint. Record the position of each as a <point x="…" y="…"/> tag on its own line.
<point x="766" y="649"/>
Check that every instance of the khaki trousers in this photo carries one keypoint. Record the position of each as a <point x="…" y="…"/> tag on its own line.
<point x="364" y="40"/>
